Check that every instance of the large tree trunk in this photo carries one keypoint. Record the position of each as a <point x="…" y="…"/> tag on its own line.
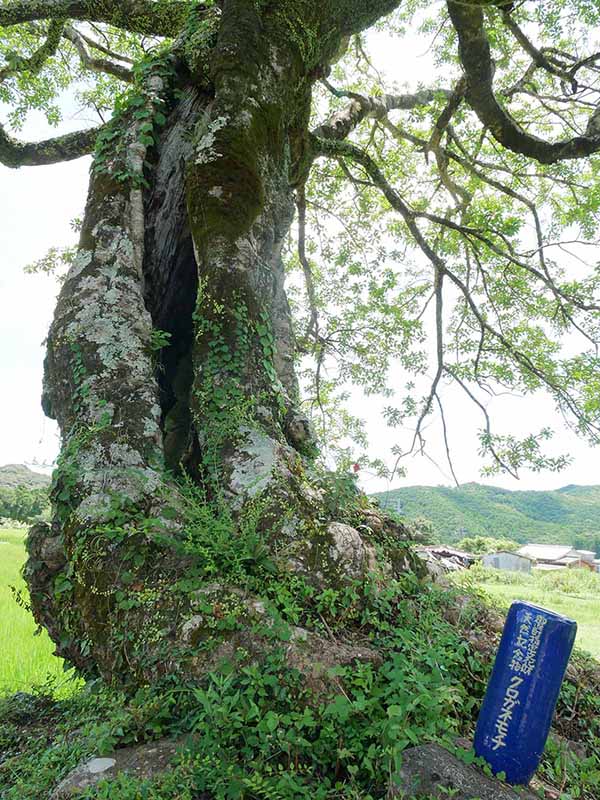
<point x="119" y="579"/>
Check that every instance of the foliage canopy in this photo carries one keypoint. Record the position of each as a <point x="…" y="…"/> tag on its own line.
<point x="447" y="227"/>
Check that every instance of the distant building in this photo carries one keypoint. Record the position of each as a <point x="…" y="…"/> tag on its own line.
<point x="558" y="556"/>
<point x="587" y="555"/>
<point x="505" y="559"/>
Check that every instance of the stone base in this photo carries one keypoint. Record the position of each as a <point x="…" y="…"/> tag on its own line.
<point x="143" y="762"/>
<point x="432" y="771"/>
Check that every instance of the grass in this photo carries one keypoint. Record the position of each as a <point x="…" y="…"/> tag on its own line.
<point x="262" y="730"/>
<point x="573" y="593"/>
<point x="26" y="659"/>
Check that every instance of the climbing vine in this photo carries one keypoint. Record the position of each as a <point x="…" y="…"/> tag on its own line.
<point x="224" y="404"/>
<point x="200" y="37"/>
<point x="136" y="111"/>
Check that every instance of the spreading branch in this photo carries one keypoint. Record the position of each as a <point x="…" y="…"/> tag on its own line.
<point x="159" y="18"/>
<point x="14" y="153"/>
<point x="102" y="48"/>
<point x="93" y="62"/>
<point x="340" y="150"/>
<point x="454" y="100"/>
<point x="36" y="61"/>
<point x="343" y="122"/>
<point x="475" y="56"/>
<point x="539" y="58"/>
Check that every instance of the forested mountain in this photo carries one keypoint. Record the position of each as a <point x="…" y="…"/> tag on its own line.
<point x="570" y="515"/>
<point x="23" y="493"/>
<point x="14" y="475"/>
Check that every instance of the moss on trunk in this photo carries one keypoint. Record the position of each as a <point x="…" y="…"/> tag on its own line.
<point x="185" y="457"/>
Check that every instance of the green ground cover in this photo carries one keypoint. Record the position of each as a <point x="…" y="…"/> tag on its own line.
<point x="573" y="593"/>
<point x="262" y="730"/>
<point x="26" y="660"/>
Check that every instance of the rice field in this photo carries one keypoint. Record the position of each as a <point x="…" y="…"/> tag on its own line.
<point x="584" y="610"/>
<point x="26" y="659"/>
<point x="574" y="593"/>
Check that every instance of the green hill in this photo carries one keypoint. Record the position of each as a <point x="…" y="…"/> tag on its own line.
<point x="23" y="493"/>
<point x="570" y="515"/>
<point x="13" y="475"/>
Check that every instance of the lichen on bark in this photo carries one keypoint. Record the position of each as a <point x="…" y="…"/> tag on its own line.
<point x="182" y="239"/>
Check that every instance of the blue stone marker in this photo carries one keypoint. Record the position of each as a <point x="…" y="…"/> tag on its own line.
<point x="518" y="707"/>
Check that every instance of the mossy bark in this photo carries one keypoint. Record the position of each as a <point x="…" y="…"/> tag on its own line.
<point x="196" y="254"/>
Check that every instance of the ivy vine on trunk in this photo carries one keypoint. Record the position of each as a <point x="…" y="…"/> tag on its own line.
<point x="191" y="197"/>
<point x="187" y="486"/>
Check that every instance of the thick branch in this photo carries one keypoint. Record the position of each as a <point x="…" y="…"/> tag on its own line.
<point x="94" y="63"/>
<point x="14" y="153"/>
<point x="354" y="16"/>
<point x="160" y="18"/>
<point x="36" y="61"/>
<point x="474" y="49"/>
<point x="340" y="124"/>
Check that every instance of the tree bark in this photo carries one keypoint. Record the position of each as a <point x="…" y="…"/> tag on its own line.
<point x="196" y="254"/>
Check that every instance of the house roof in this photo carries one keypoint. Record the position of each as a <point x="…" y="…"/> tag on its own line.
<point x="545" y="552"/>
<point x="585" y="555"/>
<point x="509" y="553"/>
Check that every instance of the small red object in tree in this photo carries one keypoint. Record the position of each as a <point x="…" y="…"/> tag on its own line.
<point x="356" y="467"/>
